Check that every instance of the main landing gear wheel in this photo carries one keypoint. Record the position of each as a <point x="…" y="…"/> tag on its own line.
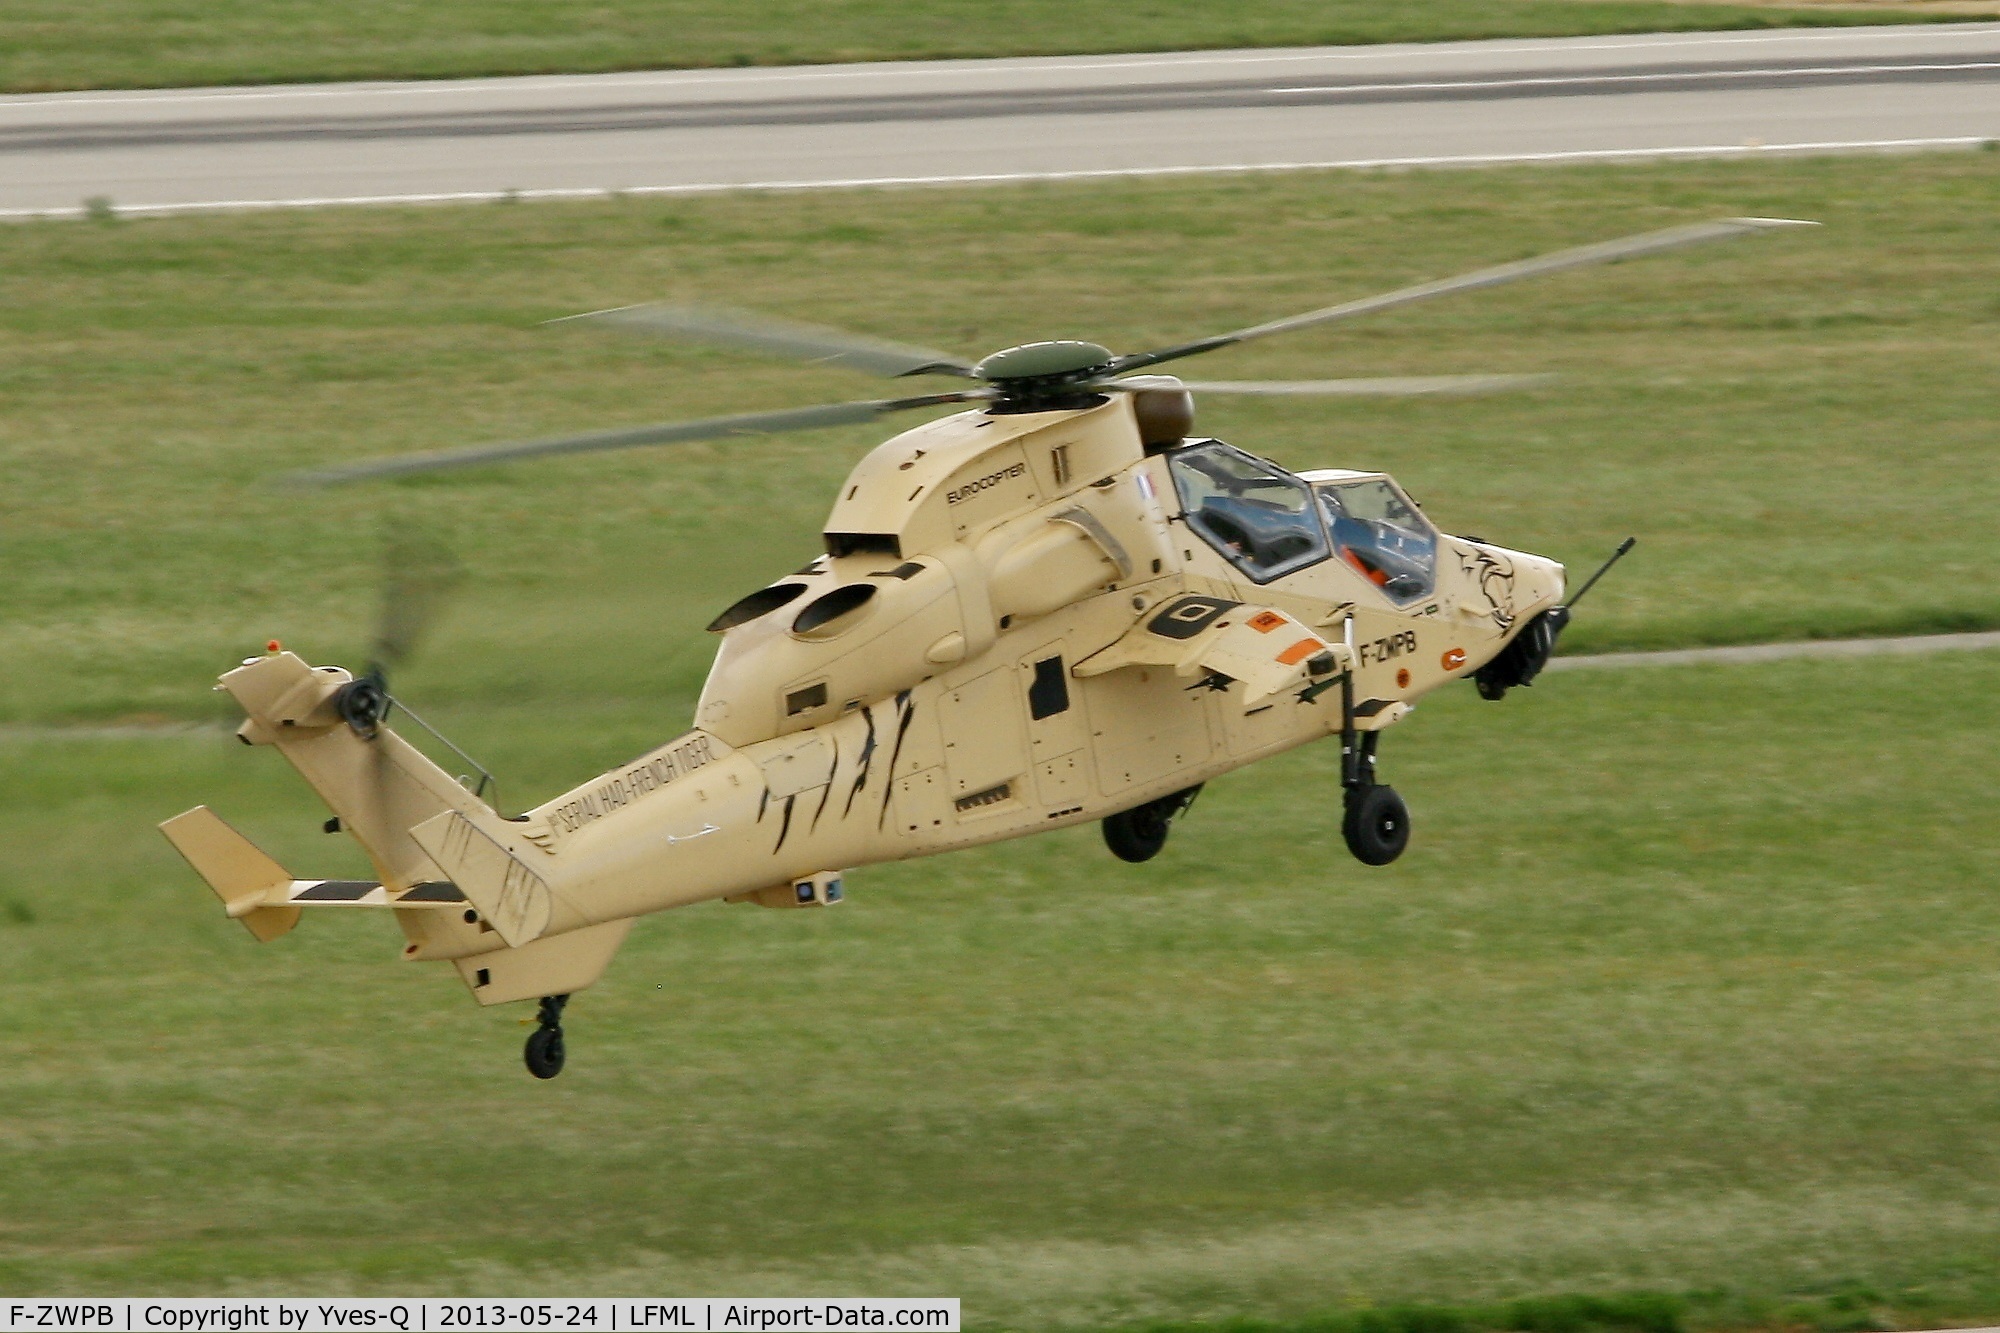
<point x="1377" y="826"/>
<point x="544" y="1053"/>
<point x="1138" y="834"/>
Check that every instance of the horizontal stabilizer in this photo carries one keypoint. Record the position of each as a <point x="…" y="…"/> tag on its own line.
<point x="435" y="893"/>
<point x="241" y="875"/>
<point x="263" y="895"/>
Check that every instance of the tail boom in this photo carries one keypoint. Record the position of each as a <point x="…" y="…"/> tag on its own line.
<point x="380" y="788"/>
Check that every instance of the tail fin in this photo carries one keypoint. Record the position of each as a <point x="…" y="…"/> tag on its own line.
<point x="414" y="820"/>
<point x="507" y="893"/>
<point x="241" y="875"/>
<point x="379" y="787"/>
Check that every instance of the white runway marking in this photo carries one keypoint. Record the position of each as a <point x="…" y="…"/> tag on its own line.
<point x="1677" y="76"/>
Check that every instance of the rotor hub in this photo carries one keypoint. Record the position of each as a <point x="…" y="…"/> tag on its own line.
<point x="363" y="703"/>
<point x="1039" y="377"/>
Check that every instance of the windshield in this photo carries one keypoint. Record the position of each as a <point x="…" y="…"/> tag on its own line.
<point x="1259" y="517"/>
<point x="1379" y="532"/>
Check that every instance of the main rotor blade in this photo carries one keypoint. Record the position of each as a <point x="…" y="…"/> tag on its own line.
<point x="1603" y="252"/>
<point x="802" y="342"/>
<point x="1388" y="386"/>
<point x="749" y="423"/>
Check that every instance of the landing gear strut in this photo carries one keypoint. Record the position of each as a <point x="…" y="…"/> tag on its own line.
<point x="1376" y="823"/>
<point x="544" y="1053"/>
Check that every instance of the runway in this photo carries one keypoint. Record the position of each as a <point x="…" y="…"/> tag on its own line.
<point x="1800" y="90"/>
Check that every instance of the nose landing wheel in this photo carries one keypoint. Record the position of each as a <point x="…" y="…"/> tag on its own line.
<point x="1377" y="824"/>
<point x="544" y="1052"/>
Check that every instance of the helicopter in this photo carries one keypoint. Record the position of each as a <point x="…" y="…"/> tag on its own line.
<point x="1057" y="606"/>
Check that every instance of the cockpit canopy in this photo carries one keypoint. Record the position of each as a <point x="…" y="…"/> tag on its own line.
<point x="1382" y="534"/>
<point x="1261" y="518"/>
<point x="1268" y="523"/>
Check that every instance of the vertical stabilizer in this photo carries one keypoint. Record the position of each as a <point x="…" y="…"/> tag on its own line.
<point x="512" y="897"/>
<point x="378" y="785"/>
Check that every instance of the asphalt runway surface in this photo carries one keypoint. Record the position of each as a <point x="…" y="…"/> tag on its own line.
<point x="946" y="122"/>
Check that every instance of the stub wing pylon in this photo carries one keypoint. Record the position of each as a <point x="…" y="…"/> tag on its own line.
<point x="1266" y="649"/>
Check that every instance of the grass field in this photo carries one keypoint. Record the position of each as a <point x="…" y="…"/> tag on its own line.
<point x="52" y="44"/>
<point x="1687" y="986"/>
<point x="1797" y="427"/>
<point x="1688" y="983"/>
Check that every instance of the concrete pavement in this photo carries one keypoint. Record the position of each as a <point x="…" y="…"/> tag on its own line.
<point x="1828" y="89"/>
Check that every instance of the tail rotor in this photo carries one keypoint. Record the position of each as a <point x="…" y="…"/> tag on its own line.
<point x="419" y="576"/>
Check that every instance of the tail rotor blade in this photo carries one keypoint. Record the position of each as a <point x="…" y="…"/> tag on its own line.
<point x="420" y="573"/>
<point x="748" y="423"/>
<point x="800" y="342"/>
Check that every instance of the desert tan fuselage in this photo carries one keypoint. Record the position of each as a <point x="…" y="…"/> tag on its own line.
<point x="1017" y="627"/>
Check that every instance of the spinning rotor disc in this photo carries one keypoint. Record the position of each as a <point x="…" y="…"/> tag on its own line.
<point x="1032" y="377"/>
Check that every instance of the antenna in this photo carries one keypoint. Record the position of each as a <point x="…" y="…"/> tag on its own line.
<point x="1603" y="569"/>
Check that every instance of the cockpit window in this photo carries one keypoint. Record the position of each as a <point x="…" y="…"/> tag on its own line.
<point x="1259" y="517"/>
<point x="1379" y="532"/>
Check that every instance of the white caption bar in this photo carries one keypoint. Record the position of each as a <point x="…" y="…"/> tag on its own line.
<point x="250" y="1314"/>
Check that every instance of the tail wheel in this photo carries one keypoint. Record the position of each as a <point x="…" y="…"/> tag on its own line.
<point x="1377" y="826"/>
<point x="544" y="1053"/>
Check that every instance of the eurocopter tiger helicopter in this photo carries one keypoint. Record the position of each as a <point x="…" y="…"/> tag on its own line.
<point x="1056" y="607"/>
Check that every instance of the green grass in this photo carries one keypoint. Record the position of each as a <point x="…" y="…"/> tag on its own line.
<point x="1688" y="984"/>
<point x="51" y="44"/>
<point x="1685" y="996"/>
<point x="1797" y="427"/>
